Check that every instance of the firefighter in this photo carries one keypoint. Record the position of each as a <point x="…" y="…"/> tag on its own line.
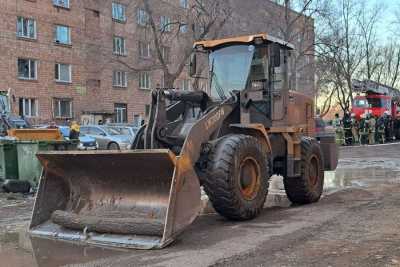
<point x="347" y="125"/>
<point x="380" y="130"/>
<point x="371" y="129"/>
<point x="337" y="124"/>
<point x="355" y="127"/>
<point x="396" y="126"/>
<point x="388" y="126"/>
<point x="363" y="129"/>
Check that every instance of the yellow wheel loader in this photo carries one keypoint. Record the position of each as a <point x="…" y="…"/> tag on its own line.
<point x="230" y="141"/>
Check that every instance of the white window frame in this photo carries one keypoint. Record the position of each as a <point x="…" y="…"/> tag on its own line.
<point x="120" y="113"/>
<point x="144" y="49"/>
<point x="61" y="3"/>
<point x="116" y="8"/>
<point x="29" y="70"/>
<point x="57" y="102"/>
<point x="184" y="4"/>
<point x="21" y="21"/>
<point x="119" y="50"/>
<point x="120" y="78"/>
<point x="56" y="39"/>
<point x="59" y="73"/>
<point x="165" y="24"/>
<point x="142" y="17"/>
<point x="144" y="80"/>
<point x="30" y="102"/>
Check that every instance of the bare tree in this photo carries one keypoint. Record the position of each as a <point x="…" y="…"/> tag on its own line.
<point x="203" y="19"/>
<point x="368" y="21"/>
<point x="348" y="46"/>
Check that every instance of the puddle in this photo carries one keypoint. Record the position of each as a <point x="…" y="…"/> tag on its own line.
<point x="361" y="177"/>
<point x="18" y="249"/>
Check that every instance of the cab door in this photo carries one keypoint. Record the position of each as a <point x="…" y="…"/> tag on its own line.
<point x="279" y="83"/>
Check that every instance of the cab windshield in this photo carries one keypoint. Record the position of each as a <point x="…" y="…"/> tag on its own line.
<point x="229" y="69"/>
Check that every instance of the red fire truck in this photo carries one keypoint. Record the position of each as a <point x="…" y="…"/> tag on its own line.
<point x="375" y="98"/>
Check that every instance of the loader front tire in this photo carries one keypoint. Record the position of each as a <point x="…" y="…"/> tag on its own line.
<point x="308" y="187"/>
<point x="237" y="177"/>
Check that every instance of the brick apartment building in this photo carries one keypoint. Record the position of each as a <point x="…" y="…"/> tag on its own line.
<point x="91" y="60"/>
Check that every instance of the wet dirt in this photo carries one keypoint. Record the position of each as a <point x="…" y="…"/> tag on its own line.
<point x="353" y="176"/>
<point x="19" y="249"/>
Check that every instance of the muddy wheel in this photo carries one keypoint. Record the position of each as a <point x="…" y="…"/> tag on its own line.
<point x="113" y="146"/>
<point x="309" y="186"/>
<point x="237" y="177"/>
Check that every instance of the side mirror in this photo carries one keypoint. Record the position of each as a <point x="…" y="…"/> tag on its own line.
<point x="193" y="65"/>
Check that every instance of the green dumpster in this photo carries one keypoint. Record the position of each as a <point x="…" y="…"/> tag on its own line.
<point x="29" y="167"/>
<point x="8" y="161"/>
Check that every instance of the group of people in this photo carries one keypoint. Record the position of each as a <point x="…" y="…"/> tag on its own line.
<point x="368" y="130"/>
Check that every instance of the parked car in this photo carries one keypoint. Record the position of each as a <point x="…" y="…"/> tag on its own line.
<point x="107" y="137"/>
<point x="322" y="129"/>
<point x="85" y="142"/>
<point x="125" y="129"/>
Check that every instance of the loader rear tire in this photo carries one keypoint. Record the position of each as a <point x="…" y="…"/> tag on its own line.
<point x="308" y="187"/>
<point x="237" y="175"/>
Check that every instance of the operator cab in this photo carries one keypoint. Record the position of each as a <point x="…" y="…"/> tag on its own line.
<point x="254" y="67"/>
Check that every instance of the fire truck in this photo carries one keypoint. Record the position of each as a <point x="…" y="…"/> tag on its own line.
<point x="376" y="99"/>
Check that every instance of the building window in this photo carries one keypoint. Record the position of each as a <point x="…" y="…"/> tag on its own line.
<point x="28" y="107"/>
<point x="184" y="3"/>
<point x="183" y="28"/>
<point x="61" y="3"/>
<point x="165" y="52"/>
<point x="142" y="17"/>
<point x="165" y="24"/>
<point x="121" y="113"/>
<point x="118" y="12"/>
<point x="119" y="45"/>
<point x="120" y="79"/>
<point x="62" y="34"/>
<point x="63" y="72"/>
<point x="186" y="85"/>
<point x="26" y="28"/>
<point x="62" y="108"/>
<point x="144" y="80"/>
<point x="144" y="49"/>
<point x="27" y="69"/>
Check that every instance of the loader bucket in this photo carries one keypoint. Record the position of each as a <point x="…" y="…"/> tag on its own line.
<point x="136" y="199"/>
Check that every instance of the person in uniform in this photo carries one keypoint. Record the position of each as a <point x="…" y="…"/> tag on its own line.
<point x="348" y="135"/>
<point x="337" y="124"/>
<point x="371" y="128"/>
<point x="355" y="127"/>
<point x="380" y="130"/>
<point x="388" y="126"/>
<point x="363" y="130"/>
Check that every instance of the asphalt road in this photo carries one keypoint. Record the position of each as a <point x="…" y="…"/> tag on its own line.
<point x="356" y="223"/>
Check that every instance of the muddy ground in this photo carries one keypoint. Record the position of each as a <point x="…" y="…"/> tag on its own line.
<point x="356" y="223"/>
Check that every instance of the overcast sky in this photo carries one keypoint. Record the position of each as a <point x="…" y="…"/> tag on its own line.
<point x="387" y="28"/>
